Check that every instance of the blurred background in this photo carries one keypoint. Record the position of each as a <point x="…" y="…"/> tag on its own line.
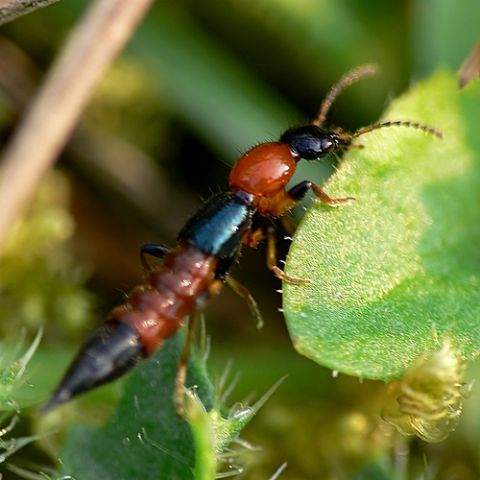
<point x="199" y="84"/>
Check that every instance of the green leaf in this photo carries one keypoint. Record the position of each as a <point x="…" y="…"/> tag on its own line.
<point x="13" y="376"/>
<point x="398" y="269"/>
<point x="146" y="438"/>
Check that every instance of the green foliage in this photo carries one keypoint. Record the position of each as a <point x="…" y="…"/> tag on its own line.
<point x="398" y="269"/>
<point x="13" y="376"/>
<point x="443" y="33"/>
<point x="39" y="280"/>
<point x="9" y="446"/>
<point x="231" y="106"/>
<point x="146" y="438"/>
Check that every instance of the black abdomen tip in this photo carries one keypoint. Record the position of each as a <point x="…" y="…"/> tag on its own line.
<point x="110" y="351"/>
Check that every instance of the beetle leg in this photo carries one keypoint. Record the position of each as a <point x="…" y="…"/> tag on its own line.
<point x="272" y="261"/>
<point x="181" y="377"/>
<point x="153" y="249"/>
<point x="332" y="202"/>
<point x="243" y="291"/>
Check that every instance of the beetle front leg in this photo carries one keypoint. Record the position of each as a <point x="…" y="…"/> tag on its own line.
<point x="324" y="198"/>
<point x="298" y="192"/>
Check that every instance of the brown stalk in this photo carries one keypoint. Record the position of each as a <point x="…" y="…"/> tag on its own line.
<point x="92" y="46"/>
<point x="470" y="70"/>
<point x="12" y="9"/>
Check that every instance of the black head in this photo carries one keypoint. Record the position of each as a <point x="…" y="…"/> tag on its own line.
<point x="311" y="142"/>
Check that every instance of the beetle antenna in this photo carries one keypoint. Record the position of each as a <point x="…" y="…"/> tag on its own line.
<point x="346" y="80"/>
<point x="418" y="126"/>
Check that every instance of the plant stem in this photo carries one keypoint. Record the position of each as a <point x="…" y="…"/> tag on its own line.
<point x="34" y="147"/>
<point x="12" y="9"/>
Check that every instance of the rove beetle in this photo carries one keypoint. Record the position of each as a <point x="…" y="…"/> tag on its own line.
<point x="195" y="269"/>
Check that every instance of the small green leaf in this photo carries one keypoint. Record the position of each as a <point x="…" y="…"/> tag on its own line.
<point x="398" y="269"/>
<point x="146" y="438"/>
<point x="14" y="377"/>
<point x="212" y="434"/>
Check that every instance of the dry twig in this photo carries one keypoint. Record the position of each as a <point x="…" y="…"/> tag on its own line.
<point x="470" y="70"/>
<point x="12" y="9"/>
<point x="91" y="48"/>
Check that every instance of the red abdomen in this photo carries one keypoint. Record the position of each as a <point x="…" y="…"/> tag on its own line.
<point x="155" y="309"/>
